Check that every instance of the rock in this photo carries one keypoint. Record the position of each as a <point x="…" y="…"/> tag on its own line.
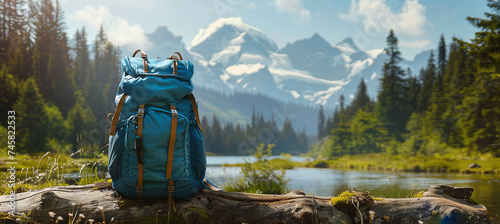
<point x="474" y="165"/>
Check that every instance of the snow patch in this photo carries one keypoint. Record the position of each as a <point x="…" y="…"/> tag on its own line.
<point x="346" y="49"/>
<point x="243" y="69"/>
<point x="321" y="97"/>
<point x="236" y="22"/>
<point x="224" y="56"/>
<point x="375" y="53"/>
<point x="224" y="77"/>
<point x="358" y="66"/>
<point x="246" y="58"/>
<point x="295" y="94"/>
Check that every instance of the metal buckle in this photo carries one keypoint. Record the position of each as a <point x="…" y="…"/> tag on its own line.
<point x="140" y="112"/>
<point x="174" y="113"/>
<point x="171" y="189"/>
<point x="139" y="189"/>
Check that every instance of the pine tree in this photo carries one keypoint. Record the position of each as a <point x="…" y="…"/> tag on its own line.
<point x="20" y="64"/>
<point x="253" y="123"/>
<point x="459" y="76"/>
<point x="12" y="27"/>
<point x="216" y="136"/>
<point x="412" y="93"/>
<point x="44" y="28"/>
<point x="368" y="133"/>
<point x="80" y="119"/>
<point x="61" y="93"/>
<point x="8" y="92"/>
<point x="479" y="124"/>
<point x="206" y="134"/>
<point x="427" y="77"/>
<point x="303" y="143"/>
<point x="361" y="99"/>
<point x="98" y="79"/>
<point x="436" y="104"/>
<point x="391" y="102"/>
<point x="341" y="137"/>
<point x="321" y="123"/>
<point x="112" y="71"/>
<point x="441" y="56"/>
<point x="288" y="138"/>
<point x="81" y="63"/>
<point x="31" y="122"/>
<point x="341" y="134"/>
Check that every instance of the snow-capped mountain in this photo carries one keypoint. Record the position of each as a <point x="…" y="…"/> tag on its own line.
<point x="231" y="56"/>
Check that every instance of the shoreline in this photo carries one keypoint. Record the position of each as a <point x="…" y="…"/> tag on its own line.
<point x="383" y="162"/>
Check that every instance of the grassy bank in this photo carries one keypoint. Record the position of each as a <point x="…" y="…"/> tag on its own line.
<point x="48" y="170"/>
<point x="385" y="161"/>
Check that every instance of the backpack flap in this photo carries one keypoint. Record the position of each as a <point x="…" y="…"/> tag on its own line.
<point x="135" y="67"/>
<point x="159" y="82"/>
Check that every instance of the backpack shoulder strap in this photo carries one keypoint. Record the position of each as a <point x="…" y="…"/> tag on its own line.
<point x="195" y="109"/>
<point x="118" y="110"/>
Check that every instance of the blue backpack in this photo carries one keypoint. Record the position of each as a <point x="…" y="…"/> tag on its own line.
<point x="156" y="147"/>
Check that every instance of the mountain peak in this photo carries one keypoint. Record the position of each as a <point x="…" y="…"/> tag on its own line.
<point x="318" y="39"/>
<point x="349" y="42"/>
<point x="231" y="23"/>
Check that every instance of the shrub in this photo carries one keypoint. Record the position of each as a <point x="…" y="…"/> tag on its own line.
<point x="260" y="177"/>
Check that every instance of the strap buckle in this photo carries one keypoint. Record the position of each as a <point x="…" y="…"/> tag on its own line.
<point x="174" y="113"/>
<point x="171" y="189"/>
<point x="139" y="189"/>
<point x="140" y="112"/>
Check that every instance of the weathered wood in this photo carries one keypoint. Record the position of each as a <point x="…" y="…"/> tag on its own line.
<point x="100" y="203"/>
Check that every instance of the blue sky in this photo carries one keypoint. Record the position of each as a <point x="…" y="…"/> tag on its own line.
<point x="417" y="23"/>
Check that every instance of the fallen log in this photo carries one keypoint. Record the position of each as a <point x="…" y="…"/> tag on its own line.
<point x="100" y="203"/>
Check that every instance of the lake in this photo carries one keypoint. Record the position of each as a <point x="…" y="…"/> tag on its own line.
<point x="331" y="182"/>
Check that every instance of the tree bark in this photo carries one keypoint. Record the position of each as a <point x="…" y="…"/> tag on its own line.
<point x="102" y="204"/>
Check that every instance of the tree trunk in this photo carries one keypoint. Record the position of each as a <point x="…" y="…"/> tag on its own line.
<point x="99" y="202"/>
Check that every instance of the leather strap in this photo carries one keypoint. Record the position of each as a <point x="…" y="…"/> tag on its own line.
<point x="144" y="57"/>
<point x="143" y="54"/>
<point x="118" y="110"/>
<point x="175" y="56"/>
<point x="195" y="110"/>
<point x="140" y="151"/>
<point x="171" y="147"/>
<point x="175" y="67"/>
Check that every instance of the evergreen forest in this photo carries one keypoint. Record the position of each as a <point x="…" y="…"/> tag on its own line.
<point x="63" y="89"/>
<point x="450" y="107"/>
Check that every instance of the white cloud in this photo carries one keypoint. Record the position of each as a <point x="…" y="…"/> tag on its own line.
<point x="119" y="31"/>
<point x="94" y="17"/>
<point x="416" y="44"/>
<point x="295" y="8"/>
<point x="377" y="16"/>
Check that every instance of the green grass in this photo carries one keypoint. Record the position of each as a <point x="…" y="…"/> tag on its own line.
<point x="283" y="164"/>
<point x="384" y="161"/>
<point x="48" y="170"/>
<point x="277" y="164"/>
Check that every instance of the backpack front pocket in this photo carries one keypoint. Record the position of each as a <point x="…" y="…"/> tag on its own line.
<point x="157" y="128"/>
